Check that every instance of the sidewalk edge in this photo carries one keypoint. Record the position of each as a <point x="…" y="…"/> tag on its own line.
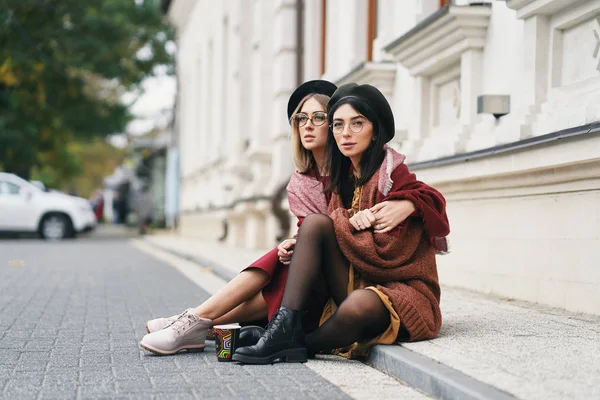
<point x="430" y="376"/>
<point x="222" y="272"/>
<point x="417" y="371"/>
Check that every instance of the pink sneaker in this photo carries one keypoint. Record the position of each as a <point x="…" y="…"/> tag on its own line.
<point x="159" y="324"/>
<point x="187" y="332"/>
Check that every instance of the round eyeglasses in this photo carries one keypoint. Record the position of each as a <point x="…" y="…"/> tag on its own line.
<point x="318" y="118"/>
<point x="337" y="127"/>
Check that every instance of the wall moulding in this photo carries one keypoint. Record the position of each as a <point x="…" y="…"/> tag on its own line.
<point x="441" y="39"/>
<point x="556" y="179"/>
<point x="379" y="74"/>
<point x="444" y="54"/>
<point x="529" y="8"/>
<point x="444" y="102"/>
<point x="571" y="161"/>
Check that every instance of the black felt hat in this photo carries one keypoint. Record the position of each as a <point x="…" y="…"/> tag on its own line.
<point x="317" y="86"/>
<point x="373" y="98"/>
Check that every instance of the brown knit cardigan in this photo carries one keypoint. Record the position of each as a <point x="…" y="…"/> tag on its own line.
<point x="401" y="263"/>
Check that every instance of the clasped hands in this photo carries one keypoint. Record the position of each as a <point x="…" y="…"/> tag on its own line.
<point x="383" y="217"/>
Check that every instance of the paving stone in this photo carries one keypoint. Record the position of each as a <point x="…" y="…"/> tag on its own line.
<point x="62" y="362"/>
<point x="39" y="344"/>
<point x="16" y="344"/>
<point x="134" y="386"/>
<point x="21" y="389"/>
<point x="9" y="357"/>
<point x="58" y="393"/>
<point x="61" y="377"/>
<point x="30" y="366"/>
<point x="6" y="370"/>
<point x="97" y="389"/>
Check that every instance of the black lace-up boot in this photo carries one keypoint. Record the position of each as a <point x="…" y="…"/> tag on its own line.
<point x="283" y="339"/>
<point x="249" y="335"/>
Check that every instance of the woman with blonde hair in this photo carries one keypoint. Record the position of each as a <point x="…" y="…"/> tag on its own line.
<point x="255" y="293"/>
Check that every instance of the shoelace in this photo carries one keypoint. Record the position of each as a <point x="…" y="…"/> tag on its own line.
<point x="272" y="326"/>
<point x="180" y="323"/>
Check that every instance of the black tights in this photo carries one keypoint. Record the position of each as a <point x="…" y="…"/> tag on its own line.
<point x="360" y="315"/>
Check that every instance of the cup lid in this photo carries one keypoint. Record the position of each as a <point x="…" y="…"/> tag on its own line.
<point x="227" y="326"/>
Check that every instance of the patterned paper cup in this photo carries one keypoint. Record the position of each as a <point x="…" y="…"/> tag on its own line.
<point x="226" y="341"/>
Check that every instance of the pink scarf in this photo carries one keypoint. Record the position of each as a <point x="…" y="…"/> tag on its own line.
<point x="305" y="195"/>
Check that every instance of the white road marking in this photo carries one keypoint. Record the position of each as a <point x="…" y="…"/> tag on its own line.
<point x="202" y="277"/>
<point x="354" y="378"/>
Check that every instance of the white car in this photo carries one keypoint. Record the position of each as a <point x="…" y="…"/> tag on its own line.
<point x="24" y="207"/>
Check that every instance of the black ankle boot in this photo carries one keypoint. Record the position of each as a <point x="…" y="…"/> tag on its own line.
<point x="249" y="335"/>
<point x="283" y="339"/>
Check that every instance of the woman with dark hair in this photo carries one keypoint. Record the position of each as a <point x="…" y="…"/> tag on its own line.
<point x="382" y="278"/>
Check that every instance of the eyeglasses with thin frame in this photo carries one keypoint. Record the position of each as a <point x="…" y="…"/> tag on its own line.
<point x="356" y="126"/>
<point x="318" y="118"/>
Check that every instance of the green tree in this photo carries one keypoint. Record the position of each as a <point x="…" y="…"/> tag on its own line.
<point x="87" y="164"/>
<point x="64" y="65"/>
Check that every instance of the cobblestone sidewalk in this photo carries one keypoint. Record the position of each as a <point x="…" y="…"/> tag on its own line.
<point x="71" y="317"/>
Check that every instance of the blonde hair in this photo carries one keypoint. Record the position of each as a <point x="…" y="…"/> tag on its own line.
<point x="304" y="159"/>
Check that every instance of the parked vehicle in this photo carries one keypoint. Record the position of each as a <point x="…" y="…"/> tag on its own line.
<point x="26" y="207"/>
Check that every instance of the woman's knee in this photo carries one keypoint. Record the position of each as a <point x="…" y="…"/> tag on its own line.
<point x="255" y="276"/>
<point x="362" y="305"/>
<point x="317" y="223"/>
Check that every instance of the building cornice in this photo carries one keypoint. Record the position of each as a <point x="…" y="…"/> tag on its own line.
<point x="440" y="40"/>
<point x="577" y="132"/>
<point x="529" y="8"/>
<point x="179" y="12"/>
<point x="378" y="74"/>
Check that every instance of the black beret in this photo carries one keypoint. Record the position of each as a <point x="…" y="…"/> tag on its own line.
<point x="317" y="86"/>
<point x="373" y="98"/>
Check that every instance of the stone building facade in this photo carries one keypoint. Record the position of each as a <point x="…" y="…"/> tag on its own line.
<point x="496" y="103"/>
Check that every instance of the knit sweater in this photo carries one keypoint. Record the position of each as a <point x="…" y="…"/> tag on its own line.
<point x="401" y="263"/>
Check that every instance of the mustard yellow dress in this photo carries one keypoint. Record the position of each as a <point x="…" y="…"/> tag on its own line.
<point x="355" y="281"/>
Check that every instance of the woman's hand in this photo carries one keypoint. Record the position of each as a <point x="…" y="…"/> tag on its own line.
<point x="362" y="220"/>
<point x="285" y="250"/>
<point x="390" y="214"/>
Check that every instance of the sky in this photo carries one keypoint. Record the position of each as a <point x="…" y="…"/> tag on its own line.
<point x="153" y="108"/>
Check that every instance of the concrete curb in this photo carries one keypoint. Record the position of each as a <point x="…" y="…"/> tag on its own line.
<point x="431" y="377"/>
<point x="416" y="370"/>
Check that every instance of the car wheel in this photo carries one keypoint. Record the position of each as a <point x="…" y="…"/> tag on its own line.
<point x="56" y="227"/>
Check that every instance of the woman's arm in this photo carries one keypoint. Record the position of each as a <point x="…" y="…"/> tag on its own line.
<point x="407" y="198"/>
<point x="429" y="204"/>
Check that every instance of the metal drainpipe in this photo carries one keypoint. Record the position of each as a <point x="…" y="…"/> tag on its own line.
<point x="299" y="42"/>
